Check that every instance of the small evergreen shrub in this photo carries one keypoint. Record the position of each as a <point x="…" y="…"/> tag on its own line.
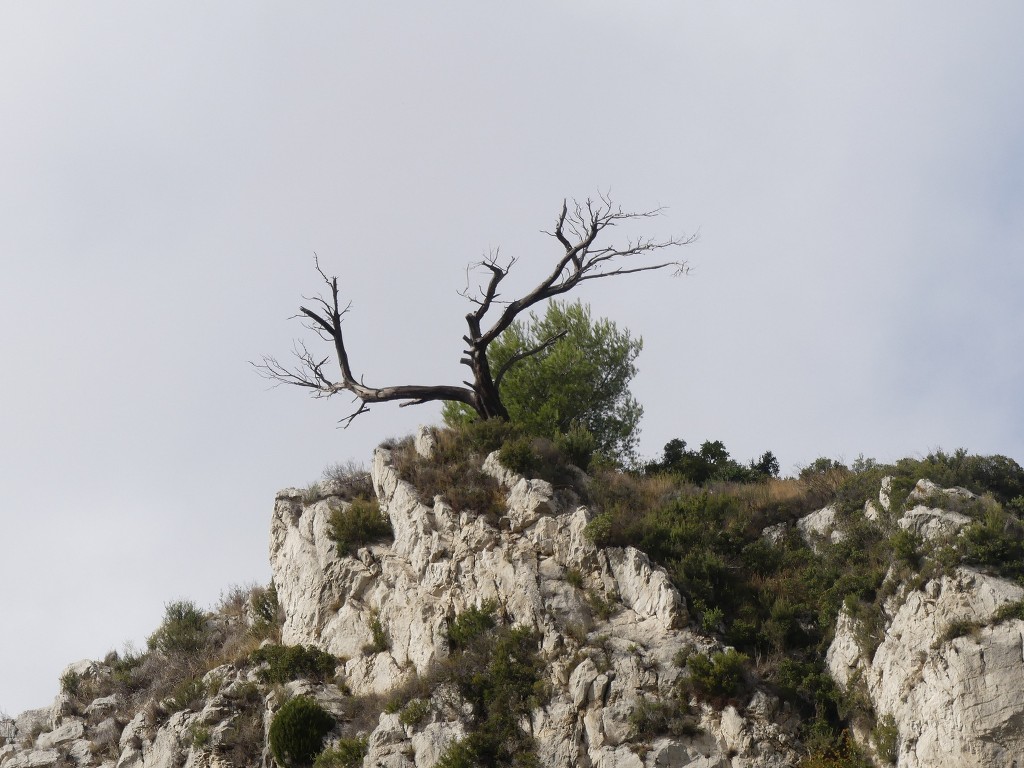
<point x="1009" y="612"/>
<point x="290" y="662"/>
<point x="721" y="677"/>
<point x="654" y="718"/>
<point x="183" y="630"/>
<point x="347" y="753"/>
<point x="265" y="611"/>
<point x="537" y="457"/>
<point x="958" y="628"/>
<point x="188" y="694"/>
<point x="574" y="578"/>
<point x="381" y="642"/>
<point x="886" y="737"/>
<point x="200" y="736"/>
<point x="471" y="624"/>
<point x="499" y="674"/>
<point x="297" y="732"/>
<point x="70" y="683"/>
<point x="577" y="446"/>
<point x="359" y="524"/>
<point x="414" y="712"/>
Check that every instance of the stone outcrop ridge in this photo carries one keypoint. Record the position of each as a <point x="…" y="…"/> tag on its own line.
<point x="66" y="736"/>
<point x="948" y="673"/>
<point x="946" y="678"/>
<point x="544" y="573"/>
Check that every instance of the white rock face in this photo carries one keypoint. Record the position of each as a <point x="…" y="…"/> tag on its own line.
<point x="930" y="524"/>
<point x="956" y="701"/>
<point x="443" y="562"/>
<point x="820" y="526"/>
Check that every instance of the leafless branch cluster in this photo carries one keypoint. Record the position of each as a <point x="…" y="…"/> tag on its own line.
<point x="578" y="229"/>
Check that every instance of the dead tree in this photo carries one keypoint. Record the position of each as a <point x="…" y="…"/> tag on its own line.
<point x="578" y="230"/>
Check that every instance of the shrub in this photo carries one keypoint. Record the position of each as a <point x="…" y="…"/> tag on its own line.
<point x="958" y="628"/>
<point x="653" y="718"/>
<point x="454" y="470"/>
<point x="347" y="753"/>
<point x="381" y="642"/>
<point x="265" y="612"/>
<point x="188" y="694"/>
<point x="358" y="524"/>
<point x="183" y="630"/>
<point x="200" y="736"/>
<point x="836" y="752"/>
<point x="1009" y="612"/>
<point x="886" y="737"/>
<point x="499" y="675"/>
<point x="290" y="662"/>
<point x="995" y="543"/>
<point x="297" y="732"/>
<point x="415" y="711"/>
<point x="349" y="480"/>
<point x="998" y="475"/>
<point x="574" y="578"/>
<point x="905" y="547"/>
<point x="70" y="683"/>
<point x="720" y="677"/>
<point x="537" y="457"/>
<point x="471" y="624"/>
<point x="577" y="445"/>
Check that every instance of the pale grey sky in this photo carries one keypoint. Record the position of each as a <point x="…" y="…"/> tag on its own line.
<point x="167" y="171"/>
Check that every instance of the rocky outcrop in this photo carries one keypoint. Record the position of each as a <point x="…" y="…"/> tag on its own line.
<point x="610" y="623"/>
<point x="944" y="679"/>
<point x="948" y="672"/>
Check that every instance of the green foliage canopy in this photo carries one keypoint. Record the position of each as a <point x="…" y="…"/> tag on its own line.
<point x="297" y="732"/>
<point x="580" y="380"/>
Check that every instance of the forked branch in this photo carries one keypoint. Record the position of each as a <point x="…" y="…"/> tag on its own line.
<point x="578" y="229"/>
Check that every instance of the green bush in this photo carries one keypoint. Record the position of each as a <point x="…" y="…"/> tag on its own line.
<point x="498" y="673"/>
<point x="290" y="662"/>
<point x="1001" y="476"/>
<point x="297" y="732"/>
<point x="721" y="677"/>
<point x="537" y="457"/>
<point x="414" y="712"/>
<point x="995" y="543"/>
<point x="1009" y="612"/>
<point x="958" y="628"/>
<point x="381" y="642"/>
<point x="200" y="736"/>
<point x="653" y="718"/>
<point x="183" y="630"/>
<point x="359" y="524"/>
<point x="188" y="694"/>
<point x="265" y="611"/>
<point x="70" y="683"/>
<point x="471" y="624"/>
<point x="577" y="446"/>
<point x="886" y="737"/>
<point x="347" y="753"/>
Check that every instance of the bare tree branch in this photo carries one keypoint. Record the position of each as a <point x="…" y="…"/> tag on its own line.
<point x="577" y="230"/>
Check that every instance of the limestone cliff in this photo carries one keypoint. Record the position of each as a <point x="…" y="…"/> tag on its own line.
<point x="943" y="685"/>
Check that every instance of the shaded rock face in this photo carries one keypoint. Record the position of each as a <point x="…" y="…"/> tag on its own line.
<point x="100" y="733"/>
<point x="948" y="672"/>
<point x="543" y="572"/>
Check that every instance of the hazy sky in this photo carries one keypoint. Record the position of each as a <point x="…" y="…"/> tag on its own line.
<point x="856" y="174"/>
